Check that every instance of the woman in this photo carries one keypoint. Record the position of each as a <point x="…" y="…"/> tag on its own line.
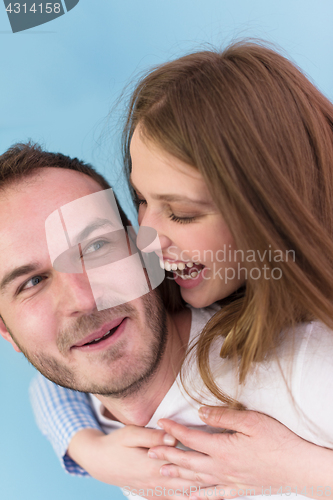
<point x="238" y="146"/>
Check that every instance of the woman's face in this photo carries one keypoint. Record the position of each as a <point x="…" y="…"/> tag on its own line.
<point x="195" y="241"/>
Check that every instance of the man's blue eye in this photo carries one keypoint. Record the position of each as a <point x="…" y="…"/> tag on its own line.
<point x="35" y="280"/>
<point x="94" y="247"/>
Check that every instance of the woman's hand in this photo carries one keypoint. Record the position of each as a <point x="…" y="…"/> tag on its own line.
<point x="121" y="459"/>
<point x="261" y="457"/>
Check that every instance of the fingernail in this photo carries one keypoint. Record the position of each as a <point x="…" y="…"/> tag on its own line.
<point x="164" y="471"/>
<point x="204" y="412"/>
<point x="160" y="424"/>
<point x="169" y="440"/>
<point x="151" y="454"/>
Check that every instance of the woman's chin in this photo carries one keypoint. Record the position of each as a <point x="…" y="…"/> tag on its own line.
<point x="195" y="297"/>
<point x="208" y="292"/>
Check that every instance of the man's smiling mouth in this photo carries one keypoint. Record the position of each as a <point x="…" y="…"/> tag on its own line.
<point x="99" y="336"/>
<point x="106" y="336"/>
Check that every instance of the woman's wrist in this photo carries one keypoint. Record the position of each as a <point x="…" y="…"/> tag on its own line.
<point x="82" y="446"/>
<point x="311" y="473"/>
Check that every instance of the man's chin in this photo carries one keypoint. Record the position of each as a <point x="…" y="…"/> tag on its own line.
<point x="123" y="385"/>
<point x="122" y="371"/>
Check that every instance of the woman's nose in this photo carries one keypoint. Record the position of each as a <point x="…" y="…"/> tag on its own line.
<point x="148" y="219"/>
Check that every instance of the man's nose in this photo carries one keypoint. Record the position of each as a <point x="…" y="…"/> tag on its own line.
<point x="73" y="294"/>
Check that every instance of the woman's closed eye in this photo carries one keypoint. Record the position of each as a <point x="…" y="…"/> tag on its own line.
<point x="181" y="220"/>
<point x="139" y="201"/>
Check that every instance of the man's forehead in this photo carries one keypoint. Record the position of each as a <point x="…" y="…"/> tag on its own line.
<point x="45" y="191"/>
<point x="25" y="207"/>
<point x="33" y="199"/>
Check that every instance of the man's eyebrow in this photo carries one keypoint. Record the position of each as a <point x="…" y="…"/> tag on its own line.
<point x="17" y="273"/>
<point x="174" y="197"/>
<point x="90" y="228"/>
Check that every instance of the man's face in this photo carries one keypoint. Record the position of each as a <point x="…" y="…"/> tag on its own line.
<point x="52" y="316"/>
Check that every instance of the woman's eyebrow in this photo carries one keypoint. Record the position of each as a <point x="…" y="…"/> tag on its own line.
<point x="175" y="197"/>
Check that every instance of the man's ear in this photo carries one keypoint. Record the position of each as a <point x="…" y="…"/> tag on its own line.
<point x="7" y="336"/>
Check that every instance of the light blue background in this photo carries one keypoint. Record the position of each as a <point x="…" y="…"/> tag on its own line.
<point x="58" y="83"/>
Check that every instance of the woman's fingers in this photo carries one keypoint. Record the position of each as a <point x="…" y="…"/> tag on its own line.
<point x="196" y="440"/>
<point x="174" y="471"/>
<point x="244" y="422"/>
<point x="143" y="437"/>
<point x="186" y="459"/>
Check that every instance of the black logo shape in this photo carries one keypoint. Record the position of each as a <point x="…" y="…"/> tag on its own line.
<point x="27" y="14"/>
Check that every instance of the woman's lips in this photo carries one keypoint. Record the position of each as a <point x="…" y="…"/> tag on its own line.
<point x="189" y="281"/>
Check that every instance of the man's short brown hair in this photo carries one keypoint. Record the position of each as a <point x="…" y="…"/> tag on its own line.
<point x="24" y="160"/>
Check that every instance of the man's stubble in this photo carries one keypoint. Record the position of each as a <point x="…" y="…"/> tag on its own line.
<point x="133" y="376"/>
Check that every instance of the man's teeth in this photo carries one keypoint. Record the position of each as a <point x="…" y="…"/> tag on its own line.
<point x="176" y="266"/>
<point x="96" y="340"/>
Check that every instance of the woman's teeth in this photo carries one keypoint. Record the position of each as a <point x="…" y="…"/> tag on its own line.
<point x="176" y="266"/>
<point x="182" y="269"/>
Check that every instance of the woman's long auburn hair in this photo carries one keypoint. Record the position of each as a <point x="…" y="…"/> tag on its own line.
<point x="261" y="135"/>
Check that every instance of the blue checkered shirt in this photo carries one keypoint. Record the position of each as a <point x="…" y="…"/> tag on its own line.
<point x="60" y="413"/>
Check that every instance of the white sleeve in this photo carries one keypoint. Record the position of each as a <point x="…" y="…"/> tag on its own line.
<point x="316" y="384"/>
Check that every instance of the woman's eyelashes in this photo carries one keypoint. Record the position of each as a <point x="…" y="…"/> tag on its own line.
<point x="138" y="200"/>
<point x="181" y="220"/>
<point x="175" y="218"/>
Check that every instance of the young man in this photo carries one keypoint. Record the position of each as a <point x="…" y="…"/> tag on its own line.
<point x="129" y="354"/>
